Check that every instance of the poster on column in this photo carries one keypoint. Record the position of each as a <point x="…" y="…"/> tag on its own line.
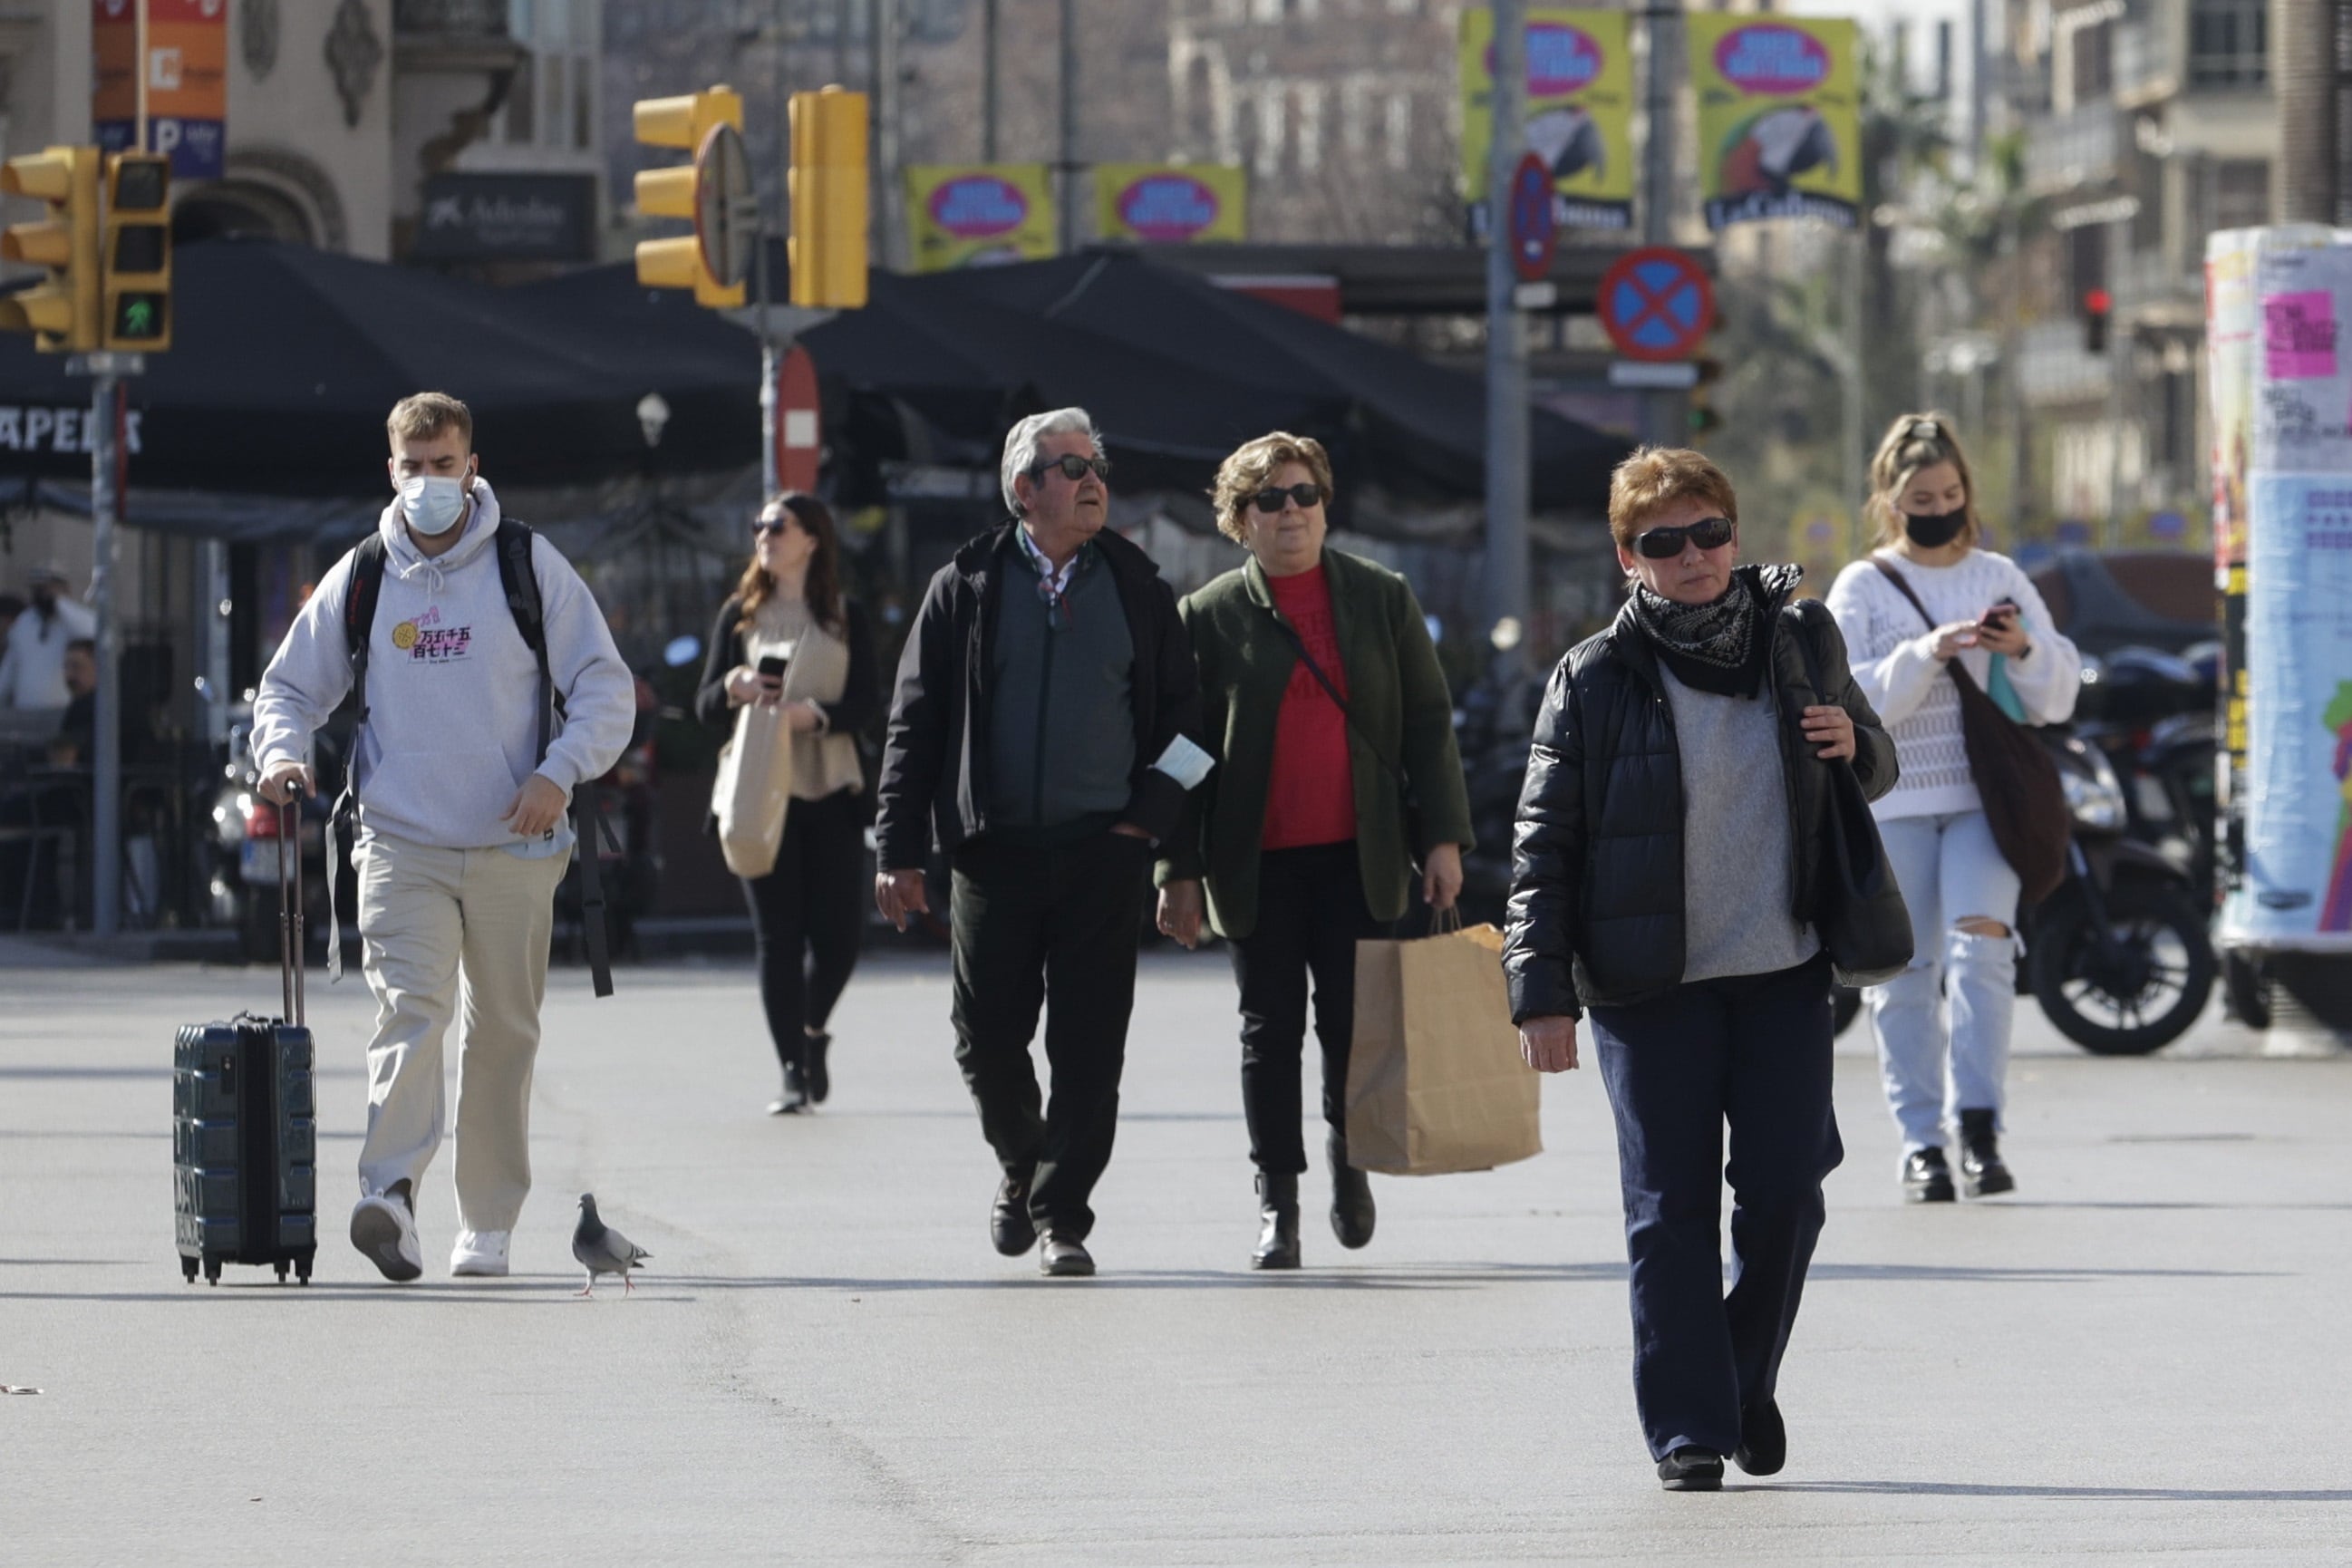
<point x="184" y="76"/>
<point x="971" y="214"/>
<point x="1780" y="121"/>
<point x="2296" y="892"/>
<point x="1172" y="204"/>
<point x="2302" y="364"/>
<point x="1579" y="114"/>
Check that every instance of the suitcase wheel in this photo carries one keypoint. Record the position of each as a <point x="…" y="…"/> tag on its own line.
<point x="281" y="1271"/>
<point x="302" y="1268"/>
<point x="188" y="1270"/>
<point x="211" y="1270"/>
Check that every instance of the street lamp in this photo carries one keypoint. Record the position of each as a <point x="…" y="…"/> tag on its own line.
<point x="653" y="412"/>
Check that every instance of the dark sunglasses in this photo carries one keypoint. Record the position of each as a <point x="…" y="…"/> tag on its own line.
<point x="1270" y="500"/>
<point x="1074" y="467"/>
<point x="1665" y="543"/>
<point x="767" y="526"/>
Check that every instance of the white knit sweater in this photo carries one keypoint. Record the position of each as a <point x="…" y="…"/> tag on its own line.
<point x="1895" y="663"/>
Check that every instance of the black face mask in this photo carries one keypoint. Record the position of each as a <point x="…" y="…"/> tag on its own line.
<point x="1933" y="532"/>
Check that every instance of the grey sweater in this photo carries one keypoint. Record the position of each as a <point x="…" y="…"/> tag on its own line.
<point x="1736" y="892"/>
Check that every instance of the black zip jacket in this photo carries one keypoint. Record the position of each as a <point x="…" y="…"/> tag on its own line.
<point x="1596" y="907"/>
<point x="935" y="761"/>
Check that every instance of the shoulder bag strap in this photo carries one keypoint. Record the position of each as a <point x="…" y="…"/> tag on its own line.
<point x="1299" y="647"/>
<point x="1959" y="672"/>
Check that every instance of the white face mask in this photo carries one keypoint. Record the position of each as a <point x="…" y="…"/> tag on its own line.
<point x="431" y="502"/>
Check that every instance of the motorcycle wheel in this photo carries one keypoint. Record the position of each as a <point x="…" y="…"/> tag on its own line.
<point x="1846" y="1006"/>
<point x="2128" y="1005"/>
<point x="2246" y="987"/>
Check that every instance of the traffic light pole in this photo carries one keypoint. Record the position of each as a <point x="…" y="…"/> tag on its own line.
<point x="770" y="479"/>
<point x="105" y="372"/>
<point x="1507" y="351"/>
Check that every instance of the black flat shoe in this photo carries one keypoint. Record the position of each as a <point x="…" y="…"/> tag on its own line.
<point x="1009" y="1229"/>
<point x="1763" y="1440"/>
<point x="1691" y="1470"/>
<point x="1277" y="1216"/>
<point x="1065" y="1258"/>
<point x="820" y="1081"/>
<point x="1926" y="1179"/>
<point x="1982" y="1171"/>
<point x="794" y="1099"/>
<point x="1352" y="1215"/>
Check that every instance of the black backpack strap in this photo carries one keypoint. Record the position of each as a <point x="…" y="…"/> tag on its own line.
<point x="519" y="580"/>
<point x="360" y="596"/>
<point x="361" y="591"/>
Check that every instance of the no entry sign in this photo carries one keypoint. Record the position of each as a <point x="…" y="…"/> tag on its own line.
<point x="1533" y="230"/>
<point x="1655" y="303"/>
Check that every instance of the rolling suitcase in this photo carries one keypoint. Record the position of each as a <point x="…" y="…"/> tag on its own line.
<point x="244" y="1129"/>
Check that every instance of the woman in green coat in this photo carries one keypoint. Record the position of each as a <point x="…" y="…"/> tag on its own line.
<point x="1322" y="699"/>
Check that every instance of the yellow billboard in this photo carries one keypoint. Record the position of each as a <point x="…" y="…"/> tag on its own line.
<point x="1579" y="116"/>
<point x="1172" y="204"/>
<point x="969" y="215"/>
<point x="1779" y="123"/>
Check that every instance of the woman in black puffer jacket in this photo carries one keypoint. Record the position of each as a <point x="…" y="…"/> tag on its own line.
<point x="1667" y="860"/>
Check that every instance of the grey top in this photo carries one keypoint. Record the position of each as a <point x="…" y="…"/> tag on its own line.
<point x="1061" y="713"/>
<point x="1737" y="892"/>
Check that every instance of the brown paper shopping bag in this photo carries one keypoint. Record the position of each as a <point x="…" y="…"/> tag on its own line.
<point x="754" y="790"/>
<point x="1435" y="1078"/>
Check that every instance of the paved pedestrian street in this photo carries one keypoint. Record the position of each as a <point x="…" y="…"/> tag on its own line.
<point x="2139" y="1358"/>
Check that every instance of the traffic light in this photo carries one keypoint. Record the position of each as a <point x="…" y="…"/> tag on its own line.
<point x="62" y="310"/>
<point x="829" y="183"/>
<point x="138" y="252"/>
<point x="2098" y="306"/>
<point x="1704" y="418"/>
<point x="691" y="122"/>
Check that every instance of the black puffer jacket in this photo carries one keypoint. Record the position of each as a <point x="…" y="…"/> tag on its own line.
<point x="1596" y="910"/>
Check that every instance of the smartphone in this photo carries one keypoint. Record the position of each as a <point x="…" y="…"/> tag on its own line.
<point x="1997" y="617"/>
<point x="772" y="668"/>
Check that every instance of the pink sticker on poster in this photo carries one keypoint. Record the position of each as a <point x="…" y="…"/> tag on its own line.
<point x="2299" y="336"/>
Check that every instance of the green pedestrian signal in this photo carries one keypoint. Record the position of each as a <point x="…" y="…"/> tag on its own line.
<point x="138" y="319"/>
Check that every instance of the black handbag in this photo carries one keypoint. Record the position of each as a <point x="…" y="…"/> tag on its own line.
<point x="1858" y="909"/>
<point x="1405" y="792"/>
<point x="2025" y="804"/>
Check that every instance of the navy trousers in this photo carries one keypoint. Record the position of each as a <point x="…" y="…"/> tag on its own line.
<point x="1753" y="1052"/>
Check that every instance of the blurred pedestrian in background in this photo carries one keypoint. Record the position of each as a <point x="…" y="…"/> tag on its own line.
<point x="1672" y="854"/>
<point x="1040" y="735"/>
<point x="1323" y="703"/>
<point x="807" y="914"/>
<point x="33" y="669"/>
<point x="1946" y="1019"/>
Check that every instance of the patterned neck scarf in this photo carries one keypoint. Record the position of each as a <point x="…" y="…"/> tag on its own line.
<point x="1720" y="645"/>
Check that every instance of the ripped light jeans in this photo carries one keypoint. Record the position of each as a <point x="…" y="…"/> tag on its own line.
<point x="1943" y="1024"/>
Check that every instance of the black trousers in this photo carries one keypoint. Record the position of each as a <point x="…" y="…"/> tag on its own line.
<point x="1053" y="930"/>
<point x="807" y="916"/>
<point x="1752" y="1050"/>
<point x="1310" y="914"/>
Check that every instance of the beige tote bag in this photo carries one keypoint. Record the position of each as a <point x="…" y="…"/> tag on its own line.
<point x="754" y="790"/>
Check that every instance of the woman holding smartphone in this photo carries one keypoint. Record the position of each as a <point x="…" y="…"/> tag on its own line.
<point x="1946" y="1019"/>
<point x="787" y="638"/>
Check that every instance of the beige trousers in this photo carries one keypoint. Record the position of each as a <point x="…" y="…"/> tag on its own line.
<point x="438" y="926"/>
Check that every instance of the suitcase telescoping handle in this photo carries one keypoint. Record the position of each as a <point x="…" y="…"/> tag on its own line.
<point x="291" y="934"/>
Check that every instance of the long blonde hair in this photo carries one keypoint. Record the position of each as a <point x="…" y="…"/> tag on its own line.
<point x="1916" y="441"/>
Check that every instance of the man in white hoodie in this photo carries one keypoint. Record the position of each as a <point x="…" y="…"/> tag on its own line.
<point x="463" y="834"/>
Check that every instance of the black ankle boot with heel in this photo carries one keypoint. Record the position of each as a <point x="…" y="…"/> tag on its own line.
<point x="1352" y="1214"/>
<point x="1277" y="1216"/>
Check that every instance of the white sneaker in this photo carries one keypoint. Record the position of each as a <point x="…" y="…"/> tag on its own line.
<point x="479" y="1254"/>
<point x="383" y="1230"/>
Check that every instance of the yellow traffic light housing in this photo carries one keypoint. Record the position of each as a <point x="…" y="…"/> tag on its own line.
<point x="62" y="311"/>
<point x="830" y="207"/>
<point x="693" y="122"/>
<point x="138" y="252"/>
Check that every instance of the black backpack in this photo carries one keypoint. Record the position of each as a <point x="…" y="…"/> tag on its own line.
<point x="512" y="547"/>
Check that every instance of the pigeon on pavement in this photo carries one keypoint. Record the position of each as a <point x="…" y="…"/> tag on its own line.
<point x="600" y="1250"/>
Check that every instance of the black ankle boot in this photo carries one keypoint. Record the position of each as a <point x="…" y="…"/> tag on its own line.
<point x="1926" y="1179"/>
<point x="1981" y="1172"/>
<point x="818" y="1081"/>
<point x="1353" y="1216"/>
<point x="1277" y="1218"/>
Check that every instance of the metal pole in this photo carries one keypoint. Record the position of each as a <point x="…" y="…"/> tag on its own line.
<point x="1067" y="188"/>
<point x="1506" y="351"/>
<point x="105" y="805"/>
<point x="1665" y="410"/>
<point x="2120" y="371"/>
<point x="889" y="103"/>
<point x="1854" y="467"/>
<point x="770" y="478"/>
<point x="989" y="103"/>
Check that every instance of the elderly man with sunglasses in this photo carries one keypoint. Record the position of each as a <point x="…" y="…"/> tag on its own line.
<point x="1040" y="735"/>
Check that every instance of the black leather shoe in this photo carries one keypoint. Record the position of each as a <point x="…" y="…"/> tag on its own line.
<point x="1763" y="1440"/>
<point x="1065" y="1258"/>
<point x="820" y="1081"/>
<point x="1982" y="1174"/>
<point x="1925" y="1178"/>
<point x="795" y="1098"/>
<point x="1277" y="1217"/>
<point x="1691" y="1470"/>
<point x="1009" y="1229"/>
<point x="1353" y="1216"/>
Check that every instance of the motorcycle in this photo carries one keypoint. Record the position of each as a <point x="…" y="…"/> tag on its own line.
<point x="243" y="847"/>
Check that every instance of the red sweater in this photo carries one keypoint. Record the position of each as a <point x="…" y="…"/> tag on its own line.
<point x="1310" y="797"/>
